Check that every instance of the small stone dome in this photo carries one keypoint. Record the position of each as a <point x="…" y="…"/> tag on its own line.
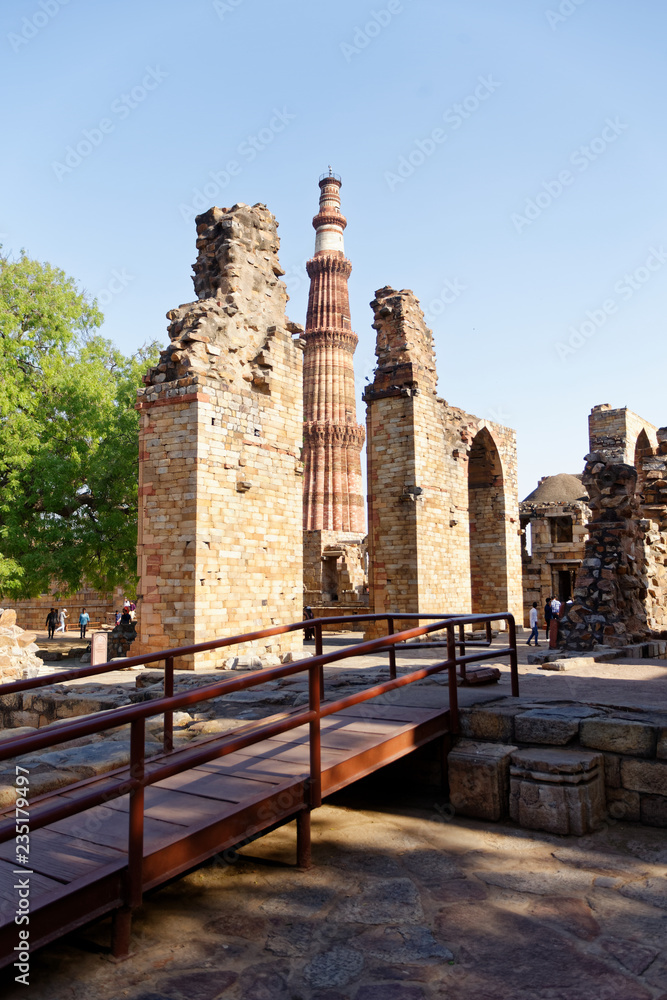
<point x="562" y="488"/>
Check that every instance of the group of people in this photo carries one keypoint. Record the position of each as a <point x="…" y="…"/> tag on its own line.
<point x="553" y="612"/>
<point x="58" y="618"/>
<point x="128" y="614"/>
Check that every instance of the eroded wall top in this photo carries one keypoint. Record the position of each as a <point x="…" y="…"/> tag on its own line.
<point x="404" y="346"/>
<point x="240" y="299"/>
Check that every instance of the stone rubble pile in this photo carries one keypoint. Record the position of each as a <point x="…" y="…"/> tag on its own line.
<point x="17" y="650"/>
<point x="609" y="605"/>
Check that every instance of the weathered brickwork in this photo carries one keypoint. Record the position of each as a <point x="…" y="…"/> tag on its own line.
<point x="443" y="504"/>
<point x="617" y="433"/>
<point x="621" y="588"/>
<point x="220" y="476"/>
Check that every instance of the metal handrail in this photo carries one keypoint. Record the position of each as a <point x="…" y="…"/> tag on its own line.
<point x="142" y="773"/>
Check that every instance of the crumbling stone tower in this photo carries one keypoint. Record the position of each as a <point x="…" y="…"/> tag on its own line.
<point x="444" y="528"/>
<point x="220" y="475"/>
<point x="333" y="507"/>
<point x="620" y="596"/>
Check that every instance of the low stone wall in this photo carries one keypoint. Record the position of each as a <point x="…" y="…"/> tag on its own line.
<point x="631" y="745"/>
<point x="336" y="611"/>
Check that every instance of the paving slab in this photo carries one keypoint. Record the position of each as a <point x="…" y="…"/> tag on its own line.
<point x="404" y="902"/>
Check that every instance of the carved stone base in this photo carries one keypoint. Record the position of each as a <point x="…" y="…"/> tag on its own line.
<point x="561" y="791"/>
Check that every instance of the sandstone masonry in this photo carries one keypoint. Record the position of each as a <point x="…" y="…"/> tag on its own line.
<point x="443" y="504"/>
<point x="220" y="474"/>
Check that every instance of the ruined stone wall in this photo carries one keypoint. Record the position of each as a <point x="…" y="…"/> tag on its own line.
<point x="31" y="613"/>
<point x="615" y="432"/>
<point x="422" y="540"/>
<point x="621" y="592"/>
<point x="609" y="599"/>
<point x="333" y="563"/>
<point x="220" y="537"/>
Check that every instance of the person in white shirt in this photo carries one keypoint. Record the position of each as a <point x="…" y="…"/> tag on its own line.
<point x="532" y="617"/>
<point x="62" y="616"/>
<point x="555" y="607"/>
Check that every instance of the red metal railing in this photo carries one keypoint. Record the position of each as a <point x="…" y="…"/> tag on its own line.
<point x="144" y="772"/>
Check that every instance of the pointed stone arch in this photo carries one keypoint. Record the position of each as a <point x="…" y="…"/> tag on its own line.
<point x="643" y="449"/>
<point x="488" y="539"/>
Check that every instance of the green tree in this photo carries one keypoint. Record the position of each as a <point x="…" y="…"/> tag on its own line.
<point x="68" y="426"/>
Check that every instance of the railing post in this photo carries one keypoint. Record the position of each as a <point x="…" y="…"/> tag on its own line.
<point x="392" y="650"/>
<point x="122" y="918"/>
<point x="453" y="690"/>
<point x="314" y="700"/>
<point x="168" y="736"/>
<point x="514" y="665"/>
<point x="303" y="850"/>
<point x="462" y="636"/>
<point x="489" y="636"/>
<point x="318" y="652"/>
<point x="314" y="790"/>
<point x="135" y="860"/>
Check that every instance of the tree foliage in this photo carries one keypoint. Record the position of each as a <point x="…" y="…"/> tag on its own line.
<point x="68" y="438"/>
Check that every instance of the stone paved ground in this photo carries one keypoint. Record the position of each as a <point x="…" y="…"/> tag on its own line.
<point x="403" y="903"/>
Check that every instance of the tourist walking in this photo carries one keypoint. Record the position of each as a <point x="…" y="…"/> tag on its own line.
<point x="84" y="618"/>
<point x="547" y="617"/>
<point x="553" y="624"/>
<point x="61" y="617"/>
<point x="52" y="621"/>
<point x="534" y="634"/>
<point x="308" y="633"/>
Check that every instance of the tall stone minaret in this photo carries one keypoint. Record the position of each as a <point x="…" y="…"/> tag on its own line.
<point x="332" y="499"/>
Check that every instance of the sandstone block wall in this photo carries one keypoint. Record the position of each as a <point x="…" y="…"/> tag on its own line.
<point x="443" y="501"/>
<point x="616" y="432"/>
<point x="220" y="477"/>
<point x="31" y="613"/>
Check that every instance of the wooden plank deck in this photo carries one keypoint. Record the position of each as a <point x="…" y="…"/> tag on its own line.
<point x="79" y="864"/>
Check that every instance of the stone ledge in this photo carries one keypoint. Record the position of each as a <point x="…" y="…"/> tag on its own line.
<point x="618" y="735"/>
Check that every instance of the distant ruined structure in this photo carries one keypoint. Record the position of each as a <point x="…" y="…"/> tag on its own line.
<point x="333" y="504"/>
<point x="619" y="598"/>
<point x="220" y="476"/>
<point x="555" y="516"/>
<point x="443" y="505"/>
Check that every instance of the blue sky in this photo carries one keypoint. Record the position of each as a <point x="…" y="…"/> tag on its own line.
<point x="513" y="152"/>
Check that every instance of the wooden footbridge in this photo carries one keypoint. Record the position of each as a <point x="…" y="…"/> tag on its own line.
<point x="94" y="847"/>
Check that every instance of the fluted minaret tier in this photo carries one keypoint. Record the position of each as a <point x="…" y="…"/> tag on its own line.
<point x="332" y="437"/>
